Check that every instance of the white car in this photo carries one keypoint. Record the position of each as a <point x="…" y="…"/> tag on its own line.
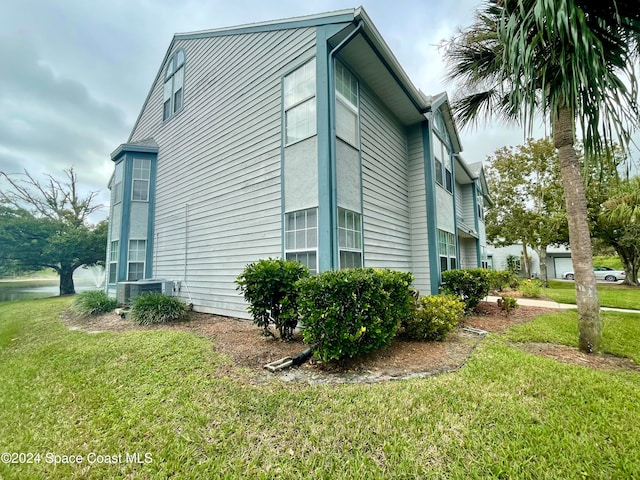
<point x="602" y="273"/>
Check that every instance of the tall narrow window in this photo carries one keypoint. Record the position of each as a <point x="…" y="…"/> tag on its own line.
<point x="140" y="186"/>
<point x="438" y="148"/>
<point x="117" y="183"/>
<point x="447" y="251"/>
<point x="113" y="262"/>
<point x="350" y="238"/>
<point x="137" y="257"/>
<point x="173" y="85"/>
<point x="347" y="127"/>
<point x="480" y="205"/>
<point x="301" y="237"/>
<point x="300" y="103"/>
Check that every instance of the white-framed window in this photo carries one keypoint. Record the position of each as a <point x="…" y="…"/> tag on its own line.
<point x="484" y="259"/>
<point x="136" y="259"/>
<point x="442" y="164"/>
<point x="113" y="262"/>
<point x="480" y="205"/>
<point x="141" y="173"/>
<point x="447" y="251"/>
<point x="117" y="182"/>
<point x="301" y="237"/>
<point x="349" y="238"/>
<point x="300" y="103"/>
<point x="347" y="101"/>
<point x="173" y="85"/>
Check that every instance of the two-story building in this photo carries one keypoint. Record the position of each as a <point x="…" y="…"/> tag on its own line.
<point x="300" y="138"/>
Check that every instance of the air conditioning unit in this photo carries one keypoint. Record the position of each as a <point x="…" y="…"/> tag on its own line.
<point x="129" y="291"/>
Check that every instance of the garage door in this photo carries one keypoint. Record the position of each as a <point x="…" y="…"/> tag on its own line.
<point x="562" y="265"/>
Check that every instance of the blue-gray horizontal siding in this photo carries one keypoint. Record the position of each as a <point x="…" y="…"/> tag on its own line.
<point x="385" y="187"/>
<point x="218" y="203"/>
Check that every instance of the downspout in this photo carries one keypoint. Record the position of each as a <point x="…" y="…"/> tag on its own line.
<point x="333" y="204"/>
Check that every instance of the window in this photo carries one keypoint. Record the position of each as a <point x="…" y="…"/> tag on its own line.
<point x="350" y="238"/>
<point x="480" y="205"/>
<point x="447" y="251"/>
<point x="137" y="257"/>
<point x="300" y="103"/>
<point x="113" y="262"/>
<point x="442" y="160"/>
<point x="484" y="259"/>
<point x="140" y="187"/>
<point x="117" y="183"/>
<point x="347" y="126"/>
<point x="173" y="85"/>
<point x="301" y="237"/>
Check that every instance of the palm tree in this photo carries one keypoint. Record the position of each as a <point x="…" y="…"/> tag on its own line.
<point x="568" y="61"/>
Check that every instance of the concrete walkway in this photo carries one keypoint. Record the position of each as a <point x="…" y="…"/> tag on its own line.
<point x="533" y="302"/>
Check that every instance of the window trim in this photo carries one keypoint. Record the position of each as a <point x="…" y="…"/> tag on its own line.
<point x="130" y="262"/>
<point x="289" y="107"/>
<point x="305" y="249"/>
<point x="169" y="78"/>
<point x="141" y="179"/>
<point x="113" y="261"/>
<point x="450" y="253"/>
<point x="357" y="230"/>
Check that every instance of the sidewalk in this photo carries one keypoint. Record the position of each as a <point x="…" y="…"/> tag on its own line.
<point x="532" y="302"/>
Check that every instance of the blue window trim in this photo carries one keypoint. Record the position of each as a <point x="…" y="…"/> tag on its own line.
<point x="172" y="58"/>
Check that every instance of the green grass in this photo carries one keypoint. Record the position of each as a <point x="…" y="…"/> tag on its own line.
<point x="506" y="414"/>
<point x="611" y="295"/>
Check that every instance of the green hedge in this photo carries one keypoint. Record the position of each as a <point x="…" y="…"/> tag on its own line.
<point x="346" y="313"/>
<point x="470" y="285"/>
<point x="433" y="317"/>
<point x="269" y="286"/>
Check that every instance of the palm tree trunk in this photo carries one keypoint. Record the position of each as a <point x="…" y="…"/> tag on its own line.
<point x="589" y="322"/>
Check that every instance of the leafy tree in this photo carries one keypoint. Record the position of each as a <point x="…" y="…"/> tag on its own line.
<point x="527" y="197"/>
<point x="619" y="219"/>
<point x="567" y="61"/>
<point x="46" y="225"/>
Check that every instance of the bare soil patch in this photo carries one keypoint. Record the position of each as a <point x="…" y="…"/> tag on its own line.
<point x="248" y="348"/>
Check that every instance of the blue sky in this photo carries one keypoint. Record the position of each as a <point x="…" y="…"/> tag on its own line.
<point x="75" y="73"/>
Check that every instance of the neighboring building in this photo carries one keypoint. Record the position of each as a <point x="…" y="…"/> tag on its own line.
<point x="558" y="259"/>
<point x="301" y="138"/>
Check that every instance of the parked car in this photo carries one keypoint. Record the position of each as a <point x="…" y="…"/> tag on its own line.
<point x="602" y="273"/>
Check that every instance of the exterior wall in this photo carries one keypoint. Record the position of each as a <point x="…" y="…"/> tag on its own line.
<point x="301" y="175"/>
<point x="418" y="211"/>
<point x="464" y="204"/>
<point x="446" y="214"/>
<point x="218" y="203"/>
<point x="348" y="173"/>
<point x="385" y="187"/>
<point x="468" y="253"/>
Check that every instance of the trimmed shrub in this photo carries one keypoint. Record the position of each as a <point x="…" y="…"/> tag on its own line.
<point x="433" y="317"/>
<point x="269" y="286"/>
<point x="531" y="288"/>
<point x="93" y="302"/>
<point x="507" y="304"/>
<point x="501" y="279"/>
<point x="470" y="285"/>
<point x="346" y="313"/>
<point x="154" y="308"/>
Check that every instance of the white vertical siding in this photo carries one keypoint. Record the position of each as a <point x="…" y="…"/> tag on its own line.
<point x="418" y="212"/>
<point x="218" y="203"/>
<point x="385" y="187"/>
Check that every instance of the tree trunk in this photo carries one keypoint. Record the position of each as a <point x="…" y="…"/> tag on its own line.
<point x="541" y="250"/>
<point x="589" y="321"/>
<point x="629" y="263"/>
<point x="525" y="260"/>
<point x="66" y="281"/>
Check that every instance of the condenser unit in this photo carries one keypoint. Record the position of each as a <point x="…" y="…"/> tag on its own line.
<point x="129" y="291"/>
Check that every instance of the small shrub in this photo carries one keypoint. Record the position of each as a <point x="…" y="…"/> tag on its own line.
<point x="154" y="308"/>
<point x="433" y="317"/>
<point x="531" y="288"/>
<point x="470" y="285"/>
<point x="93" y="302"/>
<point x="500" y="279"/>
<point x="346" y="313"/>
<point x="269" y="286"/>
<point x="508" y="304"/>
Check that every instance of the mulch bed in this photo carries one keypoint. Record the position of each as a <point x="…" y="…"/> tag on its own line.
<point x="248" y="348"/>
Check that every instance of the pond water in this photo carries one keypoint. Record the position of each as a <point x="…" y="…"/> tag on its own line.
<point x="16" y="292"/>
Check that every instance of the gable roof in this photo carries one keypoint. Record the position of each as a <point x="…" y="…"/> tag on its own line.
<point x="366" y="52"/>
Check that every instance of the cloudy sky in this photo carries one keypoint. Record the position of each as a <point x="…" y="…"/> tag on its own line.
<point x="75" y="73"/>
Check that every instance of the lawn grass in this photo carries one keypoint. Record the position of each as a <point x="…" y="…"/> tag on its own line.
<point x="506" y="414"/>
<point x="611" y="295"/>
